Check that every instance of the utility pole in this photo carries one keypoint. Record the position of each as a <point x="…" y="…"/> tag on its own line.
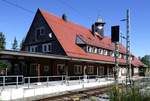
<point x="128" y="57"/>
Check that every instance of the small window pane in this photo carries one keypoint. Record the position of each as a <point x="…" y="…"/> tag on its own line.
<point x="49" y="47"/>
<point x="38" y="31"/>
<point x="42" y="31"/>
<point x="45" y="48"/>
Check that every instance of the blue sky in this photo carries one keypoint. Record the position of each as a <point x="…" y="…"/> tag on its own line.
<point x="15" y="22"/>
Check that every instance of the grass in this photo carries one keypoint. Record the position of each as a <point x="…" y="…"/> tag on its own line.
<point x="128" y="93"/>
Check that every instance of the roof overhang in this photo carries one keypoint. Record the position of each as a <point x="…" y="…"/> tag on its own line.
<point x="49" y="56"/>
<point x="36" y="55"/>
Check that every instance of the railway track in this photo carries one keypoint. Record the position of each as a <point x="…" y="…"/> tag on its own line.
<point x="78" y="94"/>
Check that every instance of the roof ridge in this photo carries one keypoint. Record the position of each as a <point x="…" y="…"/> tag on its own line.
<point x="58" y="17"/>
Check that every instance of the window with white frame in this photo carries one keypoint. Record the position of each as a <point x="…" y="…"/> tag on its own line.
<point x="100" y="51"/>
<point x="40" y="31"/>
<point x="120" y="55"/>
<point x="136" y="70"/>
<point x="108" y="53"/>
<point x="90" y="69"/>
<point x="124" y="56"/>
<point x="78" y="69"/>
<point x="47" y="47"/>
<point x="113" y="54"/>
<point x="132" y="57"/>
<point x="60" y="69"/>
<point x="91" y="49"/>
<point x="95" y="50"/>
<point x="88" y="49"/>
<point x="105" y="52"/>
<point x="33" y="48"/>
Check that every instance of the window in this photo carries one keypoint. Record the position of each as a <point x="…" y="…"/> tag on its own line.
<point x="112" y="54"/>
<point x="90" y="69"/>
<point x="123" y="71"/>
<point x="47" y="47"/>
<point x="89" y="49"/>
<point x="77" y="69"/>
<point x="105" y="52"/>
<point x="101" y="70"/>
<point x="109" y="53"/>
<point x="33" y="69"/>
<point x="95" y="50"/>
<point x="136" y="70"/>
<point x="100" y="51"/>
<point x="132" y="57"/>
<point x="46" y="68"/>
<point x="61" y="69"/>
<point x="40" y="31"/>
<point x="120" y="55"/>
<point x="33" y="48"/>
<point x="124" y="56"/>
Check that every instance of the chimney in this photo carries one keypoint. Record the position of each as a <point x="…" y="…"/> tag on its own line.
<point x="98" y="27"/>
<point x="64" y="17"/>
<point x="93" y="29"/>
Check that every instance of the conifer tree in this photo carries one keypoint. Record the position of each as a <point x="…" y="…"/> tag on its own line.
<point x="15" y="44"/>
<point x="2" y="41"/>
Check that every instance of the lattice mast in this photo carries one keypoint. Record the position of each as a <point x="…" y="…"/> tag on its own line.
<point x="128" y="55"/>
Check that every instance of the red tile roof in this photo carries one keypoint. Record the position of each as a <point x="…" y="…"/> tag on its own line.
<point x="66" y="32"/>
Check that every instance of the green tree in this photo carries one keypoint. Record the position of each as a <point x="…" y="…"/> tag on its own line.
<point x="4" y="66"/>
<point x="15" y="44"/>
<point x="2" y="41"/>
<point x="146" y="60"/>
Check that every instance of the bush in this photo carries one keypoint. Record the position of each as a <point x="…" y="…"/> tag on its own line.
<point x="127" y="93"/>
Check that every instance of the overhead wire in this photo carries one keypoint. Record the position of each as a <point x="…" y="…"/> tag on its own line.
<point x="74" y="10"/>
<point x="17" y="6"/>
